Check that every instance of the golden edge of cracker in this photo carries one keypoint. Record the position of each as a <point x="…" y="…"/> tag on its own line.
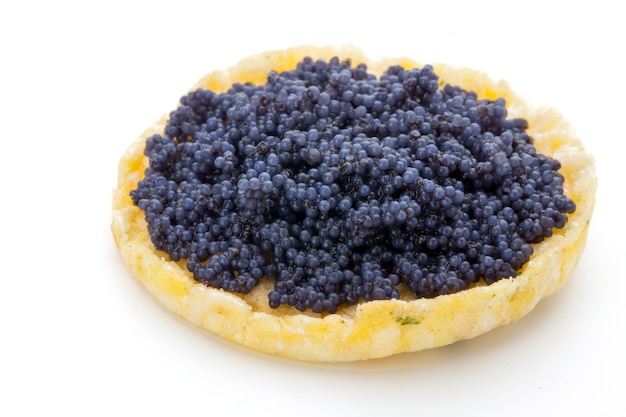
<point x="371" y="329"/>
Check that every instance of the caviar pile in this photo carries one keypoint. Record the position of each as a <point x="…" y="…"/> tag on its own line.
<point x="341" y="186"/>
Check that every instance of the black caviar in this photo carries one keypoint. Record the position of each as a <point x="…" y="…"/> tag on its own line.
<point x="341" y="186"/>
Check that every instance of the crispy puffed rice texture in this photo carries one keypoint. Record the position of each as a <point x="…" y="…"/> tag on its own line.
<point x="370" y="329"/>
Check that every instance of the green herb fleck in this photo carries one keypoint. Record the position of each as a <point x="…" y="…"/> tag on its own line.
<point x="403" y="321"/>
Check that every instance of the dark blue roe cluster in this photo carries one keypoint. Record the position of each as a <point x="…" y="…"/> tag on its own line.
<point x="342" y="187"/>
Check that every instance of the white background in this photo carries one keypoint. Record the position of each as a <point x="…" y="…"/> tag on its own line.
<point x="80" y="80"/>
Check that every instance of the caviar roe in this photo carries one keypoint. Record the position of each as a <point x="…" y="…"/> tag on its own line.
<point x="341" y="187"/>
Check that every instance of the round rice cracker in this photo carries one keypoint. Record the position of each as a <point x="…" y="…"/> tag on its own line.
<point x="372" y="329"/>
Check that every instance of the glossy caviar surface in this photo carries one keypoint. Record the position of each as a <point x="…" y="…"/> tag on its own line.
<point x="343" y="187"/>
